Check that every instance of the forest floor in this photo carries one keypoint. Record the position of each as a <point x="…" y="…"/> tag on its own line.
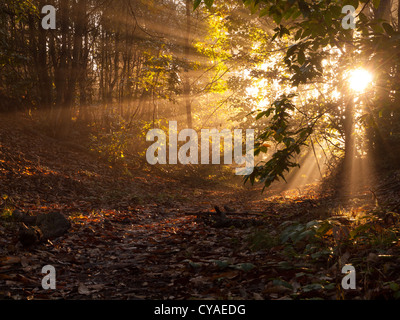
<point x="146" y="235"/>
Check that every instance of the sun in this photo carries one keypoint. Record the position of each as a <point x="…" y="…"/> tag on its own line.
<point x="359" y="79"/>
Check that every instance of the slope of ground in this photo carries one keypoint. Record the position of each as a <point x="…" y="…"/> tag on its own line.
<point x="144" y="236"/>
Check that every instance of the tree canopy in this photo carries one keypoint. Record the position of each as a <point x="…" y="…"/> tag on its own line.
<point x="99" y="99"/>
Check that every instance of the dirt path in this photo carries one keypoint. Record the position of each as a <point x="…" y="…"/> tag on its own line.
<point x="147" y="236"/>
<point x="130" y="237"/>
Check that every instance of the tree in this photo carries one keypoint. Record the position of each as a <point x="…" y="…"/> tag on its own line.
<point x="186" y="90"/>
<point x="312" y="31"/>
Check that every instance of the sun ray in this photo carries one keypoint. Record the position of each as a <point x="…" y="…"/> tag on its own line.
<point x="359" y="80"/>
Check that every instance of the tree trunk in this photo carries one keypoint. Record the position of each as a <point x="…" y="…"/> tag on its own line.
<point x="383" y="10"/>
<point x="44" y="79"/>
<point x="349" y="134"/>
<point x="79" y="13"/>
<point x="82" y="79"/>
<point x="61" y="114"/>
<point x="186" y="88"/>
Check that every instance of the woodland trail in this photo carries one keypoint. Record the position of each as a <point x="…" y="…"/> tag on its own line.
<point x="144" y="236"/>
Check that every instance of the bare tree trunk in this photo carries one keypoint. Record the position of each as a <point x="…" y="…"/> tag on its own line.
<point x="115" y="82"/>
<point x="349" y="133"/>
<point x="44" y="79"/>
<point x="398" y="15"/>
<point x="186" y="88"/>
<point x="79" y="14"/>
<point x="61" y="114"/>
<point x="82" y="79"/>
<point x="61" y="69"/>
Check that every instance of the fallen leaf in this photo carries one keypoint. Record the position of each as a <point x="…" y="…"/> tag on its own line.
<point x="257" y="296"/>
<point x="82" y="289"/>
<point x="24" y="262"/>
<point x="96" y="287"/>
<point x="10" y="260"/>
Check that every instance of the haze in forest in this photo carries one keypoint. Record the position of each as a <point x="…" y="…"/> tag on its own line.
<point x="319" y="96"/>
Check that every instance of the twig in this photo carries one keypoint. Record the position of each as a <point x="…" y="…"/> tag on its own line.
<point x="363" y="8"/>
<point x="375" y="197"/>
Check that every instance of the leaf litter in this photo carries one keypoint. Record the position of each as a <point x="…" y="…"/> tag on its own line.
<point x="125" y="243"/>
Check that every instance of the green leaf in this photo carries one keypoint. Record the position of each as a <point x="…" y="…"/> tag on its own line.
<point x="388" y="28"/>
<point x="196" y="4"/>
<point x="291" y="50"/>
<point x="277" y="18"/>
<point x="312" y="223"/>
<point x="194" y="265"/>
<point x="324" y="228"/>
<point x="261" y="114"/>
<point x="221" y="264"/>
<point x="288" y="13"/>
<point x="312" y="287"/>
<point x="285" y="31"/>
<point x="376" y="3"/>
<point x="304" y="8"/>
<point x="328" y="17"/>
<point x="264" y="12"/>
<point x="359" y="231"/>
<point x="298" y="34"/>
<point x="306" y="33"/>
<point x="330" y="286"/>
<point x="252" y="178"/>
<point x="301" y="57"/>
<point x="285" y="265"/>
<point x="244" y="266"/>
<point x="394" y="286"/>
<point x="209" y="3"/>
<point x="279" y="282"/>
<point x="274" y="37"/>
<point x="336" y="11"/>
<point x="353" y="3"/>
<point x="296" y="14"/>
<point x="303" y="235"/>
<point x="253" y="7"/>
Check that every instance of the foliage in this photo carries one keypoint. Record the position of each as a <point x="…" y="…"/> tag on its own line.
<point x="261" y="240"/>
<point x="312" y="33"/>
<point x="283" y="135"/>
<point x="15" y="83"/>
<point x="119" y="141"/>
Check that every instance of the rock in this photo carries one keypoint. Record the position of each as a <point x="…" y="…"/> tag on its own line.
<point x="42" y="227"/>
<point x="29" y="235"/>
<point x="52" y="224"/>
<point x="17" y="215"/>
<point x="23" y="217"/>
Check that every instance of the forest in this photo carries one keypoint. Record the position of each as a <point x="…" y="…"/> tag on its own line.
<point x="115" y="183"/>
